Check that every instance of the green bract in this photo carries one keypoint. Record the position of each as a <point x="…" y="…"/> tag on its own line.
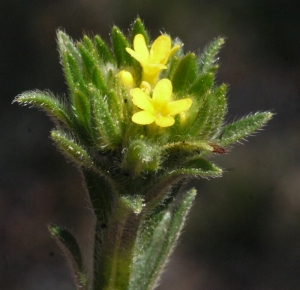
<point x="134" y="172"/>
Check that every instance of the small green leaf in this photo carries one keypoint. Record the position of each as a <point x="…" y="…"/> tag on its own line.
<point x="244" y="127"/>
<point x="106" y="130"/>
<point x="81" y="108"/>
<point x="201" y="85"/>
<point x="74" y="74"/>
<point x="72" y="63"/>
<point x="169" y="72"/>
<point x="89" y="61"/>
<point x="88" y="44"/>
<point x="157" y="190"/>
<point x="47" y="102"/>
<point x="92" y="68"/>
<point x="70" y="247"/>
<point x="201" y="117"/>
<point x="65" y="44"/>
<point x="216" y="109"/>
<point x="139" y="28"/>
<point x="119" y="43"/>
<point x="200" y="167"/>
<point x="103" y="51"/>
<point x="185" y="73"/>
<point x="207" y="61"/>
<point x="71" y="149"/>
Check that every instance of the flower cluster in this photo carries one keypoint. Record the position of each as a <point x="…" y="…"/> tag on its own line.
<point x="160" y="108"/>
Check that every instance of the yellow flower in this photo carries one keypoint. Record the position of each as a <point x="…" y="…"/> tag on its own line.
<point x="160" y="108"/>
<point x="152" y="61"/>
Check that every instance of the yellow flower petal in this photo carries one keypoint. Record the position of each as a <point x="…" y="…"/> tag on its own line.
<point x="140" y="46"/>
<point x="152" y="62"/>
<point x="143" y="118"/>
<point x="162" y="93"/>
<point x="135" y="55"/>
<point x="172" y="51"/>
<point x="160" y="49"/>
<point x="166" y="121"/>
<point x="141" y="100"/>
<point x="176" y="107"/>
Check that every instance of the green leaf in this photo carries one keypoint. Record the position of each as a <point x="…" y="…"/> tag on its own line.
<point x="201" y="85"/>
<point x="81" y="108"/>
<point x="207" y="61"/>
<point x="73" y="151"/>
<point x="201" y="117"/>
<point x="176" y="224"/>
<point x="216" y="109"/>
<point x="139" y="28"/>
<point x="65" y="44"/>
<point x="92" y="68"/>
<point x="178" y="153"/>
<point x="74" y="73"/>
<point x="106" y="130"/>
<point x="244" y="127"/>
<point x="72" y="62"/>
<point x="147" y="261"/>
<point x="103" y="51"/>
<point x="158" y="189"/>
<point x="171" y="68"/>
<point x="185" y="73"/>
<point x="119" y="43"/>
<point x="70" y="247"/>
<point x="47" y="102"/>
<point x="200" y="167"/>
<point x="156" y="242"/>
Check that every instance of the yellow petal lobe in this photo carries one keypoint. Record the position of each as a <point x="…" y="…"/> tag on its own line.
<point x="143" y="118"/>
<point x="176" y="107"/>
<point x="141" y="100"/>
<point x="165" y="121"/>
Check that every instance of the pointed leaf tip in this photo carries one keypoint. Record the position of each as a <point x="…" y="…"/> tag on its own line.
<point x="243" y="127"/>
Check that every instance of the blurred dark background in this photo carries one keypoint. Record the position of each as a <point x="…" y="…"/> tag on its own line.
<point x="244" y="229"/>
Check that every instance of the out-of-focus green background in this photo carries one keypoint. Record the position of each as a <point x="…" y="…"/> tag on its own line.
<point x="244" y="229"/>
